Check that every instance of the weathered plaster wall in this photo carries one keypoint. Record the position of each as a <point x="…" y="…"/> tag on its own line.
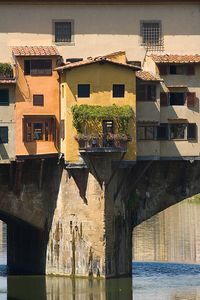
<point x="7" y="118"/>
<point x="108" y="28"/>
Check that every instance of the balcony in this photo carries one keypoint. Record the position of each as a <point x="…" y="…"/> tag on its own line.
<point x="110" y="143"/>
<point x="6" y="73"/>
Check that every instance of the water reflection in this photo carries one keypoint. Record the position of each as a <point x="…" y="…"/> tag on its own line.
<point x="61" y="288"/>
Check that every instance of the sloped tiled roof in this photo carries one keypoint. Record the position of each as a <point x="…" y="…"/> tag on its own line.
<point x="89" y="61"/>
<point x="147" y="76"/>
<point x="176" y="58"/>
<point x="35" y="51"/>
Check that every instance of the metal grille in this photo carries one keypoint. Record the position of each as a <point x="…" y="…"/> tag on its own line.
<point x="63" y="32"/>
<point x="151" y="35"/>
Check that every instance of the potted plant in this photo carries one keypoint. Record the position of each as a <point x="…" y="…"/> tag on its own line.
<point x="81" y="139"/>
<point x="6" y="70"/>
<point x="121" y="139"/>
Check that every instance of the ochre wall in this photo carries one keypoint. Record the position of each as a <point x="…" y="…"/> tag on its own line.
<point x="26" y="87"/>
<point x="101" y="77"/>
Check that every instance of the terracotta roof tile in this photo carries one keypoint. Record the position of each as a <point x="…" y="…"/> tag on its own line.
<point x="35" y="51"/>
<point x="90" y="61"/>
<point x="147" y="76"/>
<point x="175" y="58"/>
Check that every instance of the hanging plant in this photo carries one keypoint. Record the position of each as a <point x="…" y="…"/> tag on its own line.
<point x="83" y="114"/>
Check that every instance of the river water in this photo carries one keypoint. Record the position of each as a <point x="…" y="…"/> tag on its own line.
<point x="159" y="243"/>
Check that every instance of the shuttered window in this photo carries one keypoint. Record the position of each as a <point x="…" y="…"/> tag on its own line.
<point x="3" y="135"/>
<point x="4" y="97"/>
<point x="190" y="69"/>
<point x="146" y="92"/>
<point x="178" y="131"/>
<point x="39" y="129"/>
<point x="163" y="69"/>
<point x="177" y="98"/>
<point x="38" y="67"/>
<point x="146" y="132"/>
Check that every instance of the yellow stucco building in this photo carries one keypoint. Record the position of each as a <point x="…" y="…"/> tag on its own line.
<point x="98" y="107"/>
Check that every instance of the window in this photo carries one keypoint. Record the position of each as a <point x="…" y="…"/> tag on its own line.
<point x="176" y="69"/>
<point x="118" y="90"/>
<point x="3" y="135"/>
<point x="178" y="131"/>
<point x="41" y="67"/>
<point x="4" y="97"/>
<point x="39" y="130"/>
<point x="38" y="100"/>
<point x="162" y="131"/>
<point x="63" y="31"/>
<point x="146" y="132"/>
<point x="151" y="34"/>
<point x="177" y="98"/>
<point x="146" y="92"/>
<point x="83" y="90"/>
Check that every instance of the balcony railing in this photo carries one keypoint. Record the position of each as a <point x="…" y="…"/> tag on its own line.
<point x="110" y="143"/>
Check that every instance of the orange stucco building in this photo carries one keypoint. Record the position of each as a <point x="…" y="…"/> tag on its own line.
<point x="37" y="101"/>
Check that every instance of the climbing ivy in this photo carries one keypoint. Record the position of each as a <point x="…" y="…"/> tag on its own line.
<point x="83" y="114"/>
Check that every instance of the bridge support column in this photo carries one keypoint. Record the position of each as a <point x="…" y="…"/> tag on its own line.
<point x="90" y="233"/>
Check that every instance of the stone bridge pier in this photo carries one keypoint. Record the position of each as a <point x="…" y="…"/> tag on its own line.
<point x="79" y="222"/>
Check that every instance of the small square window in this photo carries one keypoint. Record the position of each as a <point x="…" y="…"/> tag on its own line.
<point x="3" y="135"/>
<point x="4" y="97"/>
<point x="63" y="31"/>
<point x="118" y="90"/>
<point x="38" y="100"/>
<point x="83" y="90"/>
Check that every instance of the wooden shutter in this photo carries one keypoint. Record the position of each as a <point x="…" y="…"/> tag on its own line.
<point x="163" y="69"/>
<point x="62" y="129"/>
<point x="163" y="99"/>
<point x="191" y="99"/>
<point x="24" y="126"/>
<point x="190" y="70"/>
<point x="192" y="131"/>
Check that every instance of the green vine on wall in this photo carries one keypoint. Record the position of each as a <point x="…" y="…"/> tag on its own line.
<point x="95" y="113"/>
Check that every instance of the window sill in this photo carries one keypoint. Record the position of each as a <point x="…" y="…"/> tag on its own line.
<point x="64" y="43"/>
